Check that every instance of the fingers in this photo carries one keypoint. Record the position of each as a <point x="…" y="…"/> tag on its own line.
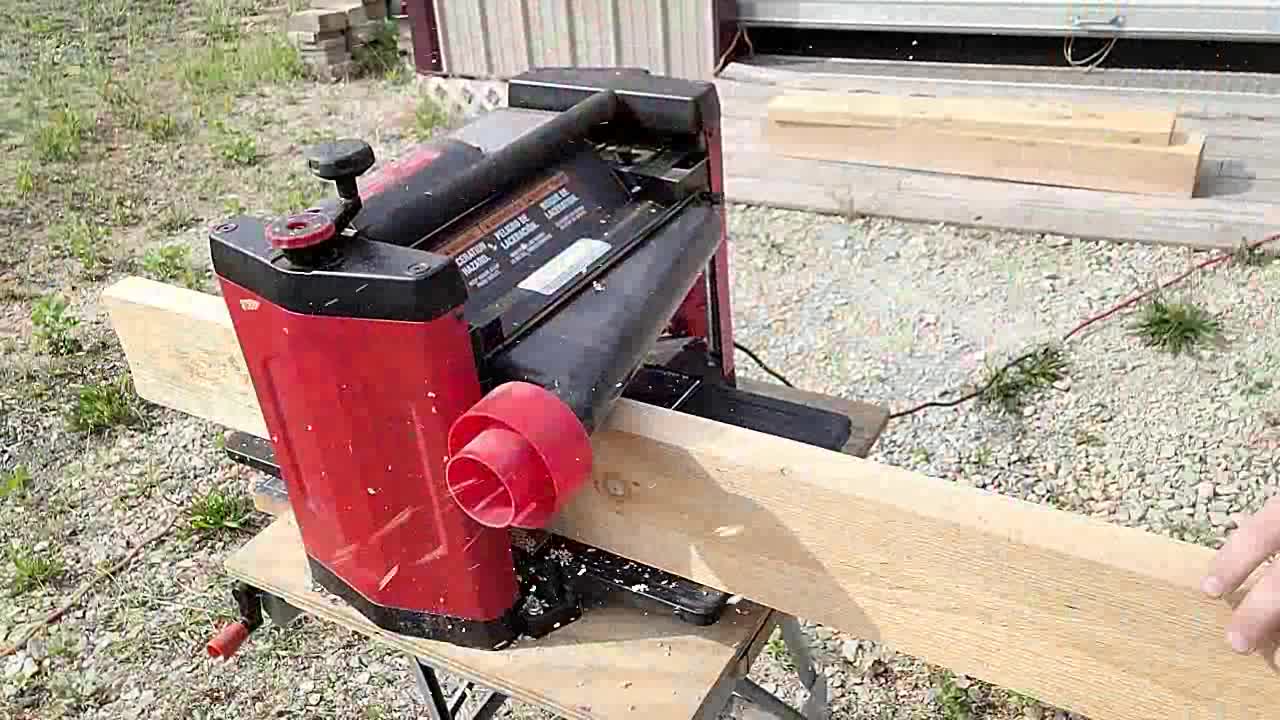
<point x="1258" y="615"/>
<point x="1256" y="540"/>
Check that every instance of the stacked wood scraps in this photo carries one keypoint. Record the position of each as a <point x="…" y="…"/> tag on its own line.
<point x="1120" y="150"/>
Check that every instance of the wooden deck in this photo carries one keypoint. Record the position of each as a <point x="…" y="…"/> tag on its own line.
<point x="1237" y="197"/>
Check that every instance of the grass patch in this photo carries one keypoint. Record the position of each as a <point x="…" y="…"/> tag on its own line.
<point x="172" y="264"/>
<point x="14" y="483"/>
<point x="26" y="183"/>
<point x="61" y="138"/>
<point x="34" y="570"/>
<point x="162" y="128"/>
<point x="102" y="406"/>
<point x="776" y="648"/>
<point x="233" y="69"/>
<point x="1176" y="328"/>
<point x="53" y="326"/>
<point x="237" y="149"/>
<point x="1012" y="386"/>
<point x="428" y="117"/>
<point x="176" y="218"/>
<point x="953" y="700"/>
<point x="380" y="56"/>
<point x="1250" y="256"/>
<point x="82" y="239"/>
<point x="219" y="512"/>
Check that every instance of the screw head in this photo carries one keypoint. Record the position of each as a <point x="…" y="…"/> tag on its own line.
<point x="418" y="268"/>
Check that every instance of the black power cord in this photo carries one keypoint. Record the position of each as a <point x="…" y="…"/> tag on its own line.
<point x="763" y="366"/>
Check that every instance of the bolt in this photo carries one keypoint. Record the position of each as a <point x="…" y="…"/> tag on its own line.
<point x="225" y="227"/>
<point x="418" y="268"/>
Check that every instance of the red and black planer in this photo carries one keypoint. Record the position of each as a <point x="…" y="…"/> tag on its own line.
<point x="433" y="348"/>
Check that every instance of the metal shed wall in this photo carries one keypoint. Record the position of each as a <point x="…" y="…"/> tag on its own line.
<point x="501" y="38"/>
<point x="1240" y="20"/>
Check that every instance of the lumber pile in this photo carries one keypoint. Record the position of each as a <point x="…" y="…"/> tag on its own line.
<point x="1091" y="617"/>
<point x="331" y="32"/>
<point x="1120" y="150"/>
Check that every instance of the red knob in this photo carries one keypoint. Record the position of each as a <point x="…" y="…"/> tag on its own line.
<point x="227" y="642"/>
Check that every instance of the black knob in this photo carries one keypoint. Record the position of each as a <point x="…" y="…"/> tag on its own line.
<point x="340" y="159"/>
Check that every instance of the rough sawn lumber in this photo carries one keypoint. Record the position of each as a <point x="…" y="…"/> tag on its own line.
<point x="1100" y="619"/>
<point x="1043" y="158"/>
<point x="995" y="116"/>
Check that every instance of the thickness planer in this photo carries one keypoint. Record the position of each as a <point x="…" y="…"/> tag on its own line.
<point x="434" y="346"/>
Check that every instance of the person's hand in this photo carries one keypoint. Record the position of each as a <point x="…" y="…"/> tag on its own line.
<point x="1258" y="615"/>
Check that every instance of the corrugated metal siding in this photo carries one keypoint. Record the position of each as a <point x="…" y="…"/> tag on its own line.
<point x="1182" y="19"/>
<point x="501" y="38"/>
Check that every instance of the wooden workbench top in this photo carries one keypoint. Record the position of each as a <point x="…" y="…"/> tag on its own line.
<point x="612" y="663"/>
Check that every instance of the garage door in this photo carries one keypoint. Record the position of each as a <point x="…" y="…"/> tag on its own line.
<point x="1181" y="19"/>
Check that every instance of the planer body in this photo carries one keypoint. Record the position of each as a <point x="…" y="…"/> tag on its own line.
<point x="433" y="348"/>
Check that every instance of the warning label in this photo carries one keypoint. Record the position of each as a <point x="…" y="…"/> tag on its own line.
<point x="526" y="247"/>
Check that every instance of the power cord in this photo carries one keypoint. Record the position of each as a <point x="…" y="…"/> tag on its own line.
<point x="756" y="359"/>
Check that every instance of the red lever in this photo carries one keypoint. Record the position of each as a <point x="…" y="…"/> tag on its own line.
<point x="227" y="642"/>
<point x="516" y="457"/>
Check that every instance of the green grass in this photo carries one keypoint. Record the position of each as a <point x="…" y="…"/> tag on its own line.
<point x="162" y="128"/>
<point x="83" y="239"/>
<point x="171" y="264"/>
<point x="1009" y="388"/>
<point x="776" y="648"/>
<point x="54" y="326"/>
<point x="14" y="483"/>
<point x="428" y="118"/>
<point x="34" y="570"/>
<point x="380" y="56"/>
<point x="219" y="511"/>
<point x="102" y="406"/>
<point x="213" y="72"/>
<point x="176" y="218"/>
<point x="27" y="182"/>
<point x="62" y="137"/>
<point x="953" y="700"/>
<point x="1252" y="256"/>
<point x="1175" y="327"/>
<point x="237" y="149"/>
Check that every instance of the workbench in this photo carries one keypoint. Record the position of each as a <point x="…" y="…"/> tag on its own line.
<point x="615" y="662"/>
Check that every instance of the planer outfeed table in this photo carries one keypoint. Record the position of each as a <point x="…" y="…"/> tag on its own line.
<point x="615" y="662"/>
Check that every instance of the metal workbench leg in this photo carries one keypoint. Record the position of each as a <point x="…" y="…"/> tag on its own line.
<point x="815" y="708"/>
<point x="440" y="708"/>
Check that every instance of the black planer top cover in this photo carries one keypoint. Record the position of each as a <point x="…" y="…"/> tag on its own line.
<point x="433" y="348"/>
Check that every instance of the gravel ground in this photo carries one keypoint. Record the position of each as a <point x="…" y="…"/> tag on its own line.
<point x="875" y="310"/>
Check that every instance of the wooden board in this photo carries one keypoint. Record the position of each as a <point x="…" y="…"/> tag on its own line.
<point x="1144" y="169"/>
<point x="1103" y="620"/>
<point x="613" y="663"/>
<point x="762" y="177"/>
<point x="1234" y="124"/>
<point x="989" y="116"/>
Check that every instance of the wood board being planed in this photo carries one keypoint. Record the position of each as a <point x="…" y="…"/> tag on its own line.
<point x="1038" y="159"/>
<point x="1095" y="618"/>
<point x="1002" y="117"/>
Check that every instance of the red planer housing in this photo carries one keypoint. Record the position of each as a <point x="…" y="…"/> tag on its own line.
<point x="433" y="349"/>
